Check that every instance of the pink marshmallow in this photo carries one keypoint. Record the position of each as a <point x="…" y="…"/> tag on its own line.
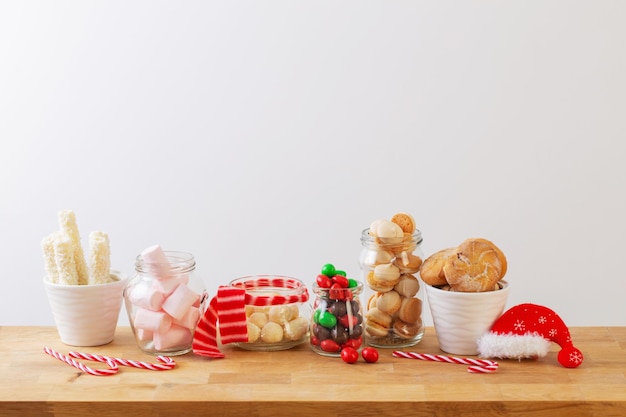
<point x="142" y="295"/>
<point x="174" y="337"/>
<point x="156" y="321"/>
<point x="179" y="302"/>
<point x="166" y="286"/>
<point x="190" y="319"/>
<point x="143" y="334"/>
<point x="156" y="262"/>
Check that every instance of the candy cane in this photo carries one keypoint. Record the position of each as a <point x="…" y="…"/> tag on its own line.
<point x="97" y="372"/>
<point x="476" y="365"/>
<point x="167" y="362"/>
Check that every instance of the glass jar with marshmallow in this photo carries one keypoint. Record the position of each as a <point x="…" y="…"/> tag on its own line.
<point x="164" y="301"/>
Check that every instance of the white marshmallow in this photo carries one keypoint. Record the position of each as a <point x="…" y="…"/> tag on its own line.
<point x="156" y="321"/>
<point x="175" y="336"/>
<point x="178" y="303"/>
<point x="155" y="262"/>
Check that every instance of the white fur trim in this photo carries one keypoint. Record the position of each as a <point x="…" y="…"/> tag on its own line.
<point x="512" y="346"/>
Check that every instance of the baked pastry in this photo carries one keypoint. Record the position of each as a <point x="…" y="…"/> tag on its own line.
<point x="474" y="266"/>
<point x="431" y="270"/>
<point x="407" y="262"/>
<point x="407" y="286"/>
<point x="383" y="278"/>
<point x="406" y="330"/>
<point x="272" y="332"/>
<point x="389" y="302"/>
<point x="405" y="221"/>
<point x="410" y="310"/>
<point x="377" y="323"/>
<point x="296" y="328"/>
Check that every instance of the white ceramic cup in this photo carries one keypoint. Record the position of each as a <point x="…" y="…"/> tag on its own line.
<point x="461" y="317"/>
<point x="87" y="315"/>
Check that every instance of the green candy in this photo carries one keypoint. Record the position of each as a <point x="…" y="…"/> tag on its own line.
<point x="316" y="316"/>
<point x="342" y="273"/>
<point x="352" y="283"/>
<point x="327" y="320"/>
<point x="328" y="270"/>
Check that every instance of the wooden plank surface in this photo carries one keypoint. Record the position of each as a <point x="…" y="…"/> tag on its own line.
<point x="298" y="382"/>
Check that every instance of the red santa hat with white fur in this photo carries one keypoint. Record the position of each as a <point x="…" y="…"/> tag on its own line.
<point x="526" y="331"/>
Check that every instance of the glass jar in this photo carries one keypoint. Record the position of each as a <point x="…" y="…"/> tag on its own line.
<point x="390" y="271"/>
<point x="337" y="319"/>
<point x="277" y="310"/>
<point x="164" y="301"/>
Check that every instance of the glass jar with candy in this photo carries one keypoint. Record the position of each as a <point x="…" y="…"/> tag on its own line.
<point x="337" y="317"/>
<point x="164" y="301"/>
<point x="390" y="260"/>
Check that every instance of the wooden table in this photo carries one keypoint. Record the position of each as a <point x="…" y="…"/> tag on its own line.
<point x="299" y="382"/>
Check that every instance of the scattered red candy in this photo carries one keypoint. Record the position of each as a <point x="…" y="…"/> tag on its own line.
<point x="349" y="355"/>
<point x="370" y="354"/>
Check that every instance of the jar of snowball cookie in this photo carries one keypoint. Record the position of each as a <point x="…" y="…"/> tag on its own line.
<point x="277" y="311"/>
<point x="390" y="259"/>
<point x="164" y="301"/>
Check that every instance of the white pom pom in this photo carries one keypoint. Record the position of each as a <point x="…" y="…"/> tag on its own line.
<point x="512" y="346"/>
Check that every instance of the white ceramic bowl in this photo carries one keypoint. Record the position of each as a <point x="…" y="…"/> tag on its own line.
<point x="461" y="317"/>
<point x="86" y="315"/>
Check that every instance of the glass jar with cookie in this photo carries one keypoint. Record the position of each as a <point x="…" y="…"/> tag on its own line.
<point x="390" y="260"/>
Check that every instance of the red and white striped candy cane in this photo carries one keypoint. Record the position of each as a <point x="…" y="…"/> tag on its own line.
<point x="476" y="365"/>
<point x="97" y="372"/>
<point x="259" y="283"/>
<point x="166" y="364"/>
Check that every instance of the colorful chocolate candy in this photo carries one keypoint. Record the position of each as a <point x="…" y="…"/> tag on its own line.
<point x="337" y="317"/>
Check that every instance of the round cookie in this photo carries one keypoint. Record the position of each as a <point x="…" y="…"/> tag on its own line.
<point x="258" y="319"/>
<point x="377" y="323"/>
<point x="296" y="328"/>
<point x="253" y="332"/>
<point x="499" y="254"/>
<point x="473" y="267"/>
<point x="407" y="286"/>
<point x="406" y="330"/>
<point x="405" y="221"/>
<point x="389" y="302"/>
<point x="408" y="263"/>
<point x="410" y="310"/>
<point x="431" y="270"/>
<point x="272" y="332"/>
<point x="383" y="278"/>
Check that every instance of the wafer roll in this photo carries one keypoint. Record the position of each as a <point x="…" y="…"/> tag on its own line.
<point x="67" y="222"/>
<point x="99" y="258"/>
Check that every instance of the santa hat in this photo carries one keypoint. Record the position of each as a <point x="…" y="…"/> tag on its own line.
<point x="526" y="331"/>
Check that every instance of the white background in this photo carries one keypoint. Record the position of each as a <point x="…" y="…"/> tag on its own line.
<point x="262" y="136"/>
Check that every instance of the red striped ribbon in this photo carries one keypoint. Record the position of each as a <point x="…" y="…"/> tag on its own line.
<point x="228" y="308"/>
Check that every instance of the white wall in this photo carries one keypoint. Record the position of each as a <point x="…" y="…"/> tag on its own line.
<point x="262" y="136"/>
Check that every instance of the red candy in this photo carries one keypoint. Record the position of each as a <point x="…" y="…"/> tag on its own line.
<point x="329" y="345"/>
<point x="336" y="292"/>
<point x="323" y="281"/>
<point x="349" y="355"/>
<point x="348" y="321"/>
<point x="370" y="354"/>
<point x="354" y="343"/>
<point x="341" y="280"/>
